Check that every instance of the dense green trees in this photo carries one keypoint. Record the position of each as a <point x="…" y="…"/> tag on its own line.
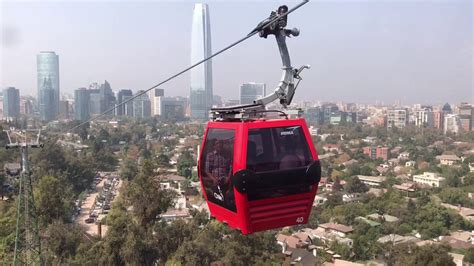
<point x="54" y="200"/>
<point x="185" y="164"/>
<point x="354" y="185"/>
<point x="410" y="254"/>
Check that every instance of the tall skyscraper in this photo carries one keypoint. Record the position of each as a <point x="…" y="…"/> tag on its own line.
<point x="201" y="76"/>
<point x="251" y="91"/>
<point x="48" y="85"/>
<point x="424" y="117"/>
<point x="156" y="98"/>
<point x="11" y="103"/>
<point x="82" y="101"/>
<point x="107" y="97"/>
<point x="397" y="117"/>
<point x="451" y="124"/>
<point x="124" y="109"/>
<point x="102" y="98"/>
<point x="466" y="112"/>
<point x="141" y="106"/>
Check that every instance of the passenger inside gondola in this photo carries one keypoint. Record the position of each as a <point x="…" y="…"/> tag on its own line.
<point x="217" y="169"/>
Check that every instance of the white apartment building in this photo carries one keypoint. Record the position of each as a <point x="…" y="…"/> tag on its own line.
<point x="430" y="179"/>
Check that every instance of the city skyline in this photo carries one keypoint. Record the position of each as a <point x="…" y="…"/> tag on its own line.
<point x="381" y="56"/>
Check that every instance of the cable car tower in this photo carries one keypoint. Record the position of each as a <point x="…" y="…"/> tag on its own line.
<point x="27" y="237"/>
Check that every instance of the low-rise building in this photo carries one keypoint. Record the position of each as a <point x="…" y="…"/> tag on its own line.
<point x="397" y="239"/>
<point x="405" y="187"/>
<point x="332" y="147"/>
<point x="429" y="179"/>
<point x="374" y="181"/>
<point x="448" y="159"/>
<point x="339" y="229"/>
<point x="382" y="218"/>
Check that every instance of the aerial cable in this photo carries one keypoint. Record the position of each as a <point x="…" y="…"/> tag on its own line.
<point x="265" y="24"/>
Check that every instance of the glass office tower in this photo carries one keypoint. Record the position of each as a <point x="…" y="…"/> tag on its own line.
<point x="201" y="76"/>
<point x="48" y="79"/>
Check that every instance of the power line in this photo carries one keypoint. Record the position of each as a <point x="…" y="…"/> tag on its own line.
<point x="265" y="25"/>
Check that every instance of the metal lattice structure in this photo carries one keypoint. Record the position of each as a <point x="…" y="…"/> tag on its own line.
<point x="27" y="237"/>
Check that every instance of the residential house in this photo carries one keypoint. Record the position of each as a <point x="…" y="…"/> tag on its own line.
<point x="351" y="197"/>
<point x="383" y="218"/>
<point x="466" y="213"/>
<point x="410" y="164"/>
<point x="404" y="156"/>
<point x="397" y="239"/>
<point x="327" y="236"/>
<point x="290" y="242"/>
<point x="175" y="214"/>
<point x="303" y="257"/>
<point x="339" y="229"/>
<point x="405" y="187"/>
<point x="332" y="147"/>
<point x="353" y="161"/>
<point x="448" y="159"/>
<point x="319" y="200"/>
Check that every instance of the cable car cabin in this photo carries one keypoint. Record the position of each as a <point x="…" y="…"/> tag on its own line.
<point x="259" y="175"/>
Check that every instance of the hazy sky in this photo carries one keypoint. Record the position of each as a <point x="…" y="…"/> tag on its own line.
<point x="360" y="51"/>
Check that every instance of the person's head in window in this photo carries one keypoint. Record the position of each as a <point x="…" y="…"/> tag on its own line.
<point x="290" y="159"/>
<point x="218" y="146"/>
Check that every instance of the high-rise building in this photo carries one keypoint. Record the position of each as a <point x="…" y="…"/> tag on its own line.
<point x="64" y="109"/>
<point x="329" y="110"/>
<point x="156" y="98"/>
<point x="95" y="107"/>
<point x="122" y="96"/>
<point x="46" y="101"/>
<point x="201" y="76"/>
<point x="397" y="117"/>
<point x="26" y="105"/>
<point x="451" y="123"/>
<point x="251" y="91"/>
<point x="82" y="104"/>
<point x="141" y="106"/>
<point x="376" y="152"/>
<point x="173" y="108"/>
<point x="11" y="103"/>
<point x="107" y="98"/>
<point x="424" y="117"/>
<point x="466" y="112"/>
<point x="438" y="119"/>
<point x="48" y="85"/>
<point x="102" y="98"/>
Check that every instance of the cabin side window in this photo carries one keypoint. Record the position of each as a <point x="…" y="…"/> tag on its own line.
<point x="216" y="167"/>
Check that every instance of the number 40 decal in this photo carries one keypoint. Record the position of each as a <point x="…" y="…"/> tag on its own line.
<point x="299" y="219"/>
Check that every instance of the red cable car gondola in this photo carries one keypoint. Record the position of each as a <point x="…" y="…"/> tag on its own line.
<point x="258" y="171"/>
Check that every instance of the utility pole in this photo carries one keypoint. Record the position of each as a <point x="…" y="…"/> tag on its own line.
<point x="27" y="237"/>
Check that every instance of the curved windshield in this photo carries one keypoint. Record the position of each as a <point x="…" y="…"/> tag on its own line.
<point x="216" y="167"/>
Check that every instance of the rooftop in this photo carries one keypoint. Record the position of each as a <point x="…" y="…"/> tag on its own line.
<point x="337" y="227"/>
